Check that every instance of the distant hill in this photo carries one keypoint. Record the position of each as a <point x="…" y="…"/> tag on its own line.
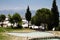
<point x="21" y="12"/>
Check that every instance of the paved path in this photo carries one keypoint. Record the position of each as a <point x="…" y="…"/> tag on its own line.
<point x="31" y="35"/>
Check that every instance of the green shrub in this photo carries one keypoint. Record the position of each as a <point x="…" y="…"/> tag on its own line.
<point x="2" y="29"/>
<point x="58" y="28"/>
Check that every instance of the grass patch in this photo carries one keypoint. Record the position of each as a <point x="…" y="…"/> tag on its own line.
<point x="2" y="29"/>
<point x="8" y="29"/>
<point x="15" y="30"/>
<point x="4" y="36"/>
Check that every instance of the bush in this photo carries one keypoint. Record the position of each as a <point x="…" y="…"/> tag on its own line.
<point x="58" y="28"/>
<point x="19" y="26"/>
<point x="2" y="29"/>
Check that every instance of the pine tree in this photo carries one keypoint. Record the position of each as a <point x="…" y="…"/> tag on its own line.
<point x="28" y="15"/>
<point x="55" y="14"/>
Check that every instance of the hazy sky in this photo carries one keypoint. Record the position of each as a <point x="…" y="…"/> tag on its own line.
<point x="22" y="4"/>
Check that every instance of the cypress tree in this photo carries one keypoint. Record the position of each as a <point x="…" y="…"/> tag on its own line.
<point x="28" y="15"/>
<point x="55" y="15"/>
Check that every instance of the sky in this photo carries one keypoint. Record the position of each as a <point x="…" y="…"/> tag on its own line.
<point x="22" y="4"/>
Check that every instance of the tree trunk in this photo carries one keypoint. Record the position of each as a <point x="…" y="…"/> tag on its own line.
<point x="11" y="25"/>
<point x="28" y="24"/>
<point x="2" y="24"/>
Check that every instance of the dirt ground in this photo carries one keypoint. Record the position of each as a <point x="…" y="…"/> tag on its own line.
<point x="57" y="33"/>
<point x="5" y="36"/>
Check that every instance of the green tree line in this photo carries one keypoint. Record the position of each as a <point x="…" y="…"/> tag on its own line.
<point x="43" y="15"/>
<point x="46" y="16"/>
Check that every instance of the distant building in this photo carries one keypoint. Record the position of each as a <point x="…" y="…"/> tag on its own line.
<point x="5" y="23"/>
<point x="24" y="23"/>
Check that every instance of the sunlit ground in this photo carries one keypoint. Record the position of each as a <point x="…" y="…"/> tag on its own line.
<point x="5" y="36"/>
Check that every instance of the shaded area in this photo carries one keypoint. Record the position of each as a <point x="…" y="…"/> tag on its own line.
<point x="48" y="38"/>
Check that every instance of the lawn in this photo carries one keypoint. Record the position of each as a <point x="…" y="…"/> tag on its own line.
<point x="15" y="30"/>
<point x="4" y="36"/>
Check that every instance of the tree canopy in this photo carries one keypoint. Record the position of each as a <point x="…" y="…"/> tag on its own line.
<point x="17" y="18"/>
<point x="2" y="18"/>
<point x="28" y="15"/>
<point x="42" y="16"/>
<point x="55" y="14"/>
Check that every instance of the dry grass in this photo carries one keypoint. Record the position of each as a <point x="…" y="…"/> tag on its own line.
<point x="23" y="30"/>
<point x="56" y="33"/>
<point x="5" y="36"/>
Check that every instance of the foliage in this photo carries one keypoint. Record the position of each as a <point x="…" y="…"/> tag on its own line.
<point x="19" y="26"/>
<point x="57" y="28"/>
<point x="28" y="15"/>
<point x="42" y="16"/>
<point x="2" y="18"/>
<point x="17" y="18"/>
<point x="33" y="20"/>
<point x="1" y="29"/>
<point x="11" y="20"/>
<point x="55" y="14"/>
